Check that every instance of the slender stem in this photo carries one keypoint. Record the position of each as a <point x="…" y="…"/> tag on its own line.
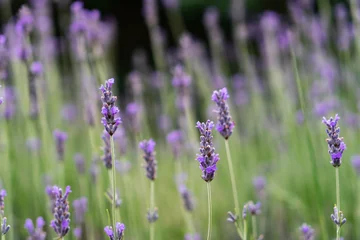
<point x="245" y="230"/>
<point x="337" y="201"/>
<point x="253" y="219"/>
<point x="233" y="185"/>
<point x="152" y="208"/>
<point x="209" y="210"/>
<point x="113" y="181"/>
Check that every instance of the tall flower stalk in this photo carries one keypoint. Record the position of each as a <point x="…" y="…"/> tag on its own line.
<point x="148" y="146"/>
<point x="225" y="126"/>
<point x="111" y="123"/>
<point x="336" y="147"/>
<point x="207" y="159"/>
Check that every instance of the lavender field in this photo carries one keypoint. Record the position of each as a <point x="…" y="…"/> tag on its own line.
<point x="234" y="137"/>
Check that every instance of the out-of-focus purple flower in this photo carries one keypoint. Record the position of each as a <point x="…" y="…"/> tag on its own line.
<point x="336" y="145"/>
<point x="2" y="199"/>
<point x="355" y="161"/>
<point x="164" y="123"/>
<point x="4" y="58"/>
<point x="338" y="217"/>
<point x="33" y="144"/>
<point x="77" y="232"/>
<point x="307" y="232"/>
<point x="36" y="68"/>
<point x="232" y="217"/>
<point x="69" y="112"/>
<point x="107" y="158"/>
<point x="181" y="81"/>
<point x="60" y="138"/>
<point x="270" y="21"/>
<point x="61" y="222"/>
<point x="254" y="209"/>
<point x="79" y="163"/>
<point x="120" y="139"/>
<point x="25" y="22"/>
<point x="259" y="184"/>
<point x="211" y="17"/>
<point x="194" y="236"/>
<point x="109" y="110"/>
<point x="119" y="231"/>
<point x="158" y="80"/>
<point x="241" y="93"/>
<point x="344" y="28"/>
<point x="80" y="208"/>
<point x="187" y="197"/>
<point x="132" y="113"/>
<point x="4" y="227"/>
<point x="35" y="233"/>
<point x="317" y="33"/>
<point x="207" y="157"/>
<point x="300" y="117"/>
<point x="225" y="124"/>
<point x="9" y="102"/>
<point x="150" y="12"/>
<point x="136" y="86"/>
<point x="175" y="139"/>
<point x="94" y="171"/>
<point x="123" y="166"/>
<point x="171" y="4"/>
<point x="148" y="146"/>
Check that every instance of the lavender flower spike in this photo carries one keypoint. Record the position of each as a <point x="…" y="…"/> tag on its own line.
<point x="61" y="223"/>
<point x="119" y="231"/>
<point x="60" y="138"/>
<point x="307" y="232"/>
<point x="109" y="110"/>
<point x="207" y="157"/>
<point x="4" y="228"/>
<point x="336" y="145"/>
<point x="80" y="208"/>
<point x="225" y="124"/>
<point x="148" y="146"/>
<point x="35" y="233"/>
<point x="2" y="200"/>
<point x="107" y="158"/>
<point x="338" y="217"/>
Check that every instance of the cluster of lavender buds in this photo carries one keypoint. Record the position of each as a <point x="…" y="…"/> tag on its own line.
<point x="79" y="163"/>
<point x="152" y="215"/>
<point x="186" y="195"/>
<point x="175" y="139"/>
<point x="60" y="138"/>
<point x="118" y="200"/>
<point x="338" y="217"/>
<point x="207" y="157"/>
<point x="51" y="191"/>
<point x="148" y="146"/>
<point x="106" y="158"/>
<point x="225" y="124"/>
<point x="307" y="232"/>
<point x="109" y="110"/>
<point x="61" y="222"/>
<point x="181" y="82"/>
<point x="194" y="236"/>
<point x="232" y="217"/>
<point x="4" y="228"/>
<point x="80" y="208"/>
<point x="252" y="208"/>
<point x="23" y="28"/>
<point x="336" y="145"/>
<point x="119" y="231"/>
<point x="4" y="58"/>
<point x="35" y="233"/>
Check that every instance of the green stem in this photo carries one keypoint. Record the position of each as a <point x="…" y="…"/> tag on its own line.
<point x="253" y="219"/>
<point x="337" y="201"/>
<point x="209" y="211"/>
<point x="233" y="185"/>
<point x="113" y="181"/>
<point x="245" y="230"/>
<point x="152" y="208"/>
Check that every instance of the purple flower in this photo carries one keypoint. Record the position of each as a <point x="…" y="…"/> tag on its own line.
<point x="253" y="209"/>
<point x="10" y="102"/>
<point x="336" y="145"/>
<point x="211" y="17"/>
<point x="186" y="195"/>
<point x="148" y="146"/>
<point x="225" y="124"/>
<point x="25" y="22"/>
<point x="79" y="163"/>
<point x="109" y="110"/>
<point x="60" y="139"/>
<point x="338" y="217"/>
<point x="4" y="228"/>
<point x="194" y="236"/>
<point x="2" y="199"/>
<point x="107" y="158"/>
<point x="150" y="12"/>
<point x="36" y="68"/>
<point x="119" y="231"/>
<point x="207" y="157"/>
<point x="4" y="58"/>
<point x="307" y="232"/>
<point x="69" y="112"/>
<point x="61" y="222"/>
<point x="77" y="232"/>
<point x="80" y="208"/>
<point x="175" y="139"/>
<point x="132" y="112"/>
<point x="181" y="81"/>
<point x="121" y="140"/>
<point x="35" y="233"/>
<point x="259" y="184"/>
<point x="355" y="160"/>
<point x="33" y="144"/>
